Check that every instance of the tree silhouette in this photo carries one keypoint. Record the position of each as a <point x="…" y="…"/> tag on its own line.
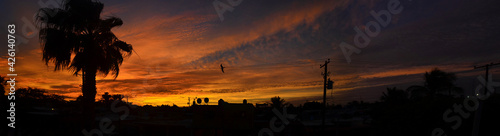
<point x="106" y="97"/>
<point x="34" y="96"/>
<point x="412" y="111"/>
<point x="394" y="95"/>
<point x="314" y="105"/>
<point x="417" y="92"/>
<point x="205" y="100"/>
<point x="277" y="102"/>
<point x="118" y="97"/>
<point x="3" y="83"/>
<point x="220" y="102"/>
<point x="75" y="37"/>
<point x="438" y="81"/>
<point x="198" y="100"/>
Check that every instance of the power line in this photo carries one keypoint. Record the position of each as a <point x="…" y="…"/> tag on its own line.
<point x="287" y="64"/>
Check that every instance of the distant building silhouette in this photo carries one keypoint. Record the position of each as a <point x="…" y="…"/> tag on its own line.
<point x="224" y="118"/>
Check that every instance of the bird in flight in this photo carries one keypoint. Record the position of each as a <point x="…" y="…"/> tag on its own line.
<point x="222" y="68"/>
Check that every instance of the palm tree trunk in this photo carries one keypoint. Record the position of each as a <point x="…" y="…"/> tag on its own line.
<point x="89" y="92"/>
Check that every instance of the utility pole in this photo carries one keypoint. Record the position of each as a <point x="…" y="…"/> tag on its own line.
<point x="325" y="75"/>
<point x="477" y="116"/>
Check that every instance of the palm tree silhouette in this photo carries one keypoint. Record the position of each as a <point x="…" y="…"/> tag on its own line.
<point x="74" y="37"/>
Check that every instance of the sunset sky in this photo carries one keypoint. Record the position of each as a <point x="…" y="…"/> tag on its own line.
<point x="270" y="48"/>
